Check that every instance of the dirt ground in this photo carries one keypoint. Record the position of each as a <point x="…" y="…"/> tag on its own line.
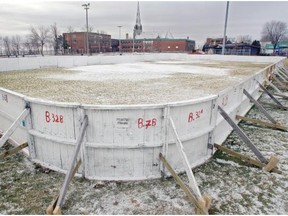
<point x="235" y="187"/>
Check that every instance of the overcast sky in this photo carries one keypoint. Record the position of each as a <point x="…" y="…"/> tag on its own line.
<point x="196" y="19"/>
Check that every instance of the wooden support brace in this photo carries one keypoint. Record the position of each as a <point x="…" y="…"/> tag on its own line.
<point x="283" y="76"/>
<point x="260" y="107"/>
<point x="64" y="188"/>
<point x="284" y="87"/>
<point x="274" y="105"/>
<point x="281" y="95"/>
<point x="273" y="86"/>
<point x="50" y="209"/>
<point x="283" y="69"/>
<point x="262" y="123"/>
<point x="192" y="182"/>
<point x="246" y="158"/>
<point x="269" y="94"/>
<point x="201" y="208"/>
<point x="272" y="164"/>
<point x="14" y="126"/>
<point x="279" y="74"/>
<point x="282" y="72"/>
<point x="242" y="135"/>
<point x="13" y="150"/>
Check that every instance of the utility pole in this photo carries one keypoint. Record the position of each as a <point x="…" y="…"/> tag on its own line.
<point x="119" y="38"/>
<point x="86" y="7"/>
<point x="225" y="27"/>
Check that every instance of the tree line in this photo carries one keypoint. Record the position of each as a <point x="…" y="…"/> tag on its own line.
<point x="38" y="37"/>
<point x="273" y="32"/>
<point x="33" y="43"/>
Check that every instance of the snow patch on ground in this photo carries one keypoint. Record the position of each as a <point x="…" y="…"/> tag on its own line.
<point x="139" y="71"/>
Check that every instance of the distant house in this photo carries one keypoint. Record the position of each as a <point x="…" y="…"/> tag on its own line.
<point x="281" y="48"/>
<point x="214" y="46"/>
<point x="233" y="49"/>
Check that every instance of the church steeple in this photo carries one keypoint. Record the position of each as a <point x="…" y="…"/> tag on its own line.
<point x="138" y="25"/>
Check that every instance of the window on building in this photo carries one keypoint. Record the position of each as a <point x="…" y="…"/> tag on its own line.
<point x="176" y="47"/>
<point x="168" y="47"/>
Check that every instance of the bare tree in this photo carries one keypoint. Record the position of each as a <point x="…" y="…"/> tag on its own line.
<point x="28" y="45"/>
<point x="274" y="31"/>
<point x="55" y="41"/>
<point x="16" y="43"/>
<point x="7" y="45"/>
<point x="90" y="28"/>
<point x="40" y="36"/>
<point x="244" y="39"/>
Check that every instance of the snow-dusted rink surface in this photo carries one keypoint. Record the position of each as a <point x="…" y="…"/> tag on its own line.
<point x="141" y="71"/>
<point x="148" y="82"/>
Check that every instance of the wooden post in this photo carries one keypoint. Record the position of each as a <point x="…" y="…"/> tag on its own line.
<point x="261" y="108"/>
<point x="242" y="135"/>
<point x="262" y="123"/>
<point x="64" y="188"/>
<point x="183" y="186"/>
<point x="51" y="207"/>
<point x="13" y="150"/>
<point x="245" y="158"/>
<point x="14" y="126"/>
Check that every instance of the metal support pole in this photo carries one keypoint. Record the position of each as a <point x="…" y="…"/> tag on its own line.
<point x="120" y="38"/>
<point x="86" y="7"/>
<point x="225" y="27"/>
<point x="133" y="49"/>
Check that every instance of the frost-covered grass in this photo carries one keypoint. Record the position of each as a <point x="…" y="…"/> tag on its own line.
<point x="236" y="187"/>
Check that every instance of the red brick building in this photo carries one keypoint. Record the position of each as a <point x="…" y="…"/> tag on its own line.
<point x="157" y="45"/>
<point x="76" y="42"/>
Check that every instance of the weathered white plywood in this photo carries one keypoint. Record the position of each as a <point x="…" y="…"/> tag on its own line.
<point x="11" y="106"/>
<point x="125" y="128"/>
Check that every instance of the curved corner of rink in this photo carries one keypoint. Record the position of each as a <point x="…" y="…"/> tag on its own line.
<point x="124" y="142"/>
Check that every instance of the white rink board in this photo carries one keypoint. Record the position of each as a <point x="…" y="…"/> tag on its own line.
<point x="123" y="142"/>
<point x="23" y="63"/>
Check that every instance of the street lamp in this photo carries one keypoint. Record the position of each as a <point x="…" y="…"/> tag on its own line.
<point x="119" y="38"/>
<point x="225" y="27"/>
<point x="86" y="7"/>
